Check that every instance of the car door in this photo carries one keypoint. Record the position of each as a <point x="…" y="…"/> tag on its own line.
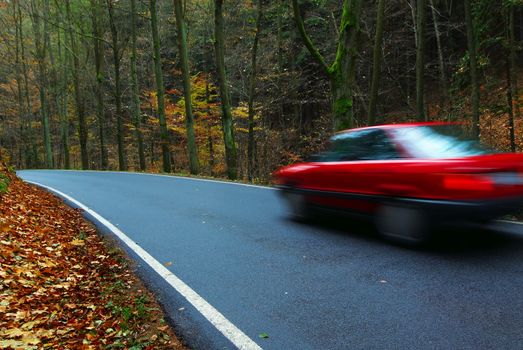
<point x="353" y="168"/>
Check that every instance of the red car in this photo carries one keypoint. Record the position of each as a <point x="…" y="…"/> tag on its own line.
<point x="408" y="176"/>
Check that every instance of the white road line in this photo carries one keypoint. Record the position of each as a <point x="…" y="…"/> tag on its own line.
<point x="205" y="180"/>
<point x="229" y="330"/>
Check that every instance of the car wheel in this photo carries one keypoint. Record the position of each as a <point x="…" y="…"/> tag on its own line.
<point x="298" y="206"/>
<point x="403" y="224"/>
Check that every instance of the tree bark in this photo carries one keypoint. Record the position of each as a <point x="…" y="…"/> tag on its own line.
<point x="30" y="134"/>
<point x="122" y="161"/>
<point x="98" y="63"/>
<point x="341" y="72"/>
<point x="80" y="106"/>
<point x="252" y="92"/>
<point x="441" y="62"/>
<point x="227" y="121"/>
<point x="160" y="93"/>
<point x="59" y="88"/>
<point x="210" y="142"/>
<point x="471" y="40"/>
<point x="376" y="63"/>
<point x="136" y="111"/>
<point x="282" y="8"/>
<point x="184" y="58"/>
<point x="512" y="83"/>
<point x="420" y="59"/>
<point x="62" y="104"/>
<point x="24" y="147"/>
<point x="42" y="79"/>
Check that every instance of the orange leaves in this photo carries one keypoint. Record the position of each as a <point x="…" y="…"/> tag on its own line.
<point x="59" y="287"/>
<point x="174" y="92"/>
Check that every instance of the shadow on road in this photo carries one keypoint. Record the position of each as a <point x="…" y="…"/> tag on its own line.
<point x="460" y="239"/>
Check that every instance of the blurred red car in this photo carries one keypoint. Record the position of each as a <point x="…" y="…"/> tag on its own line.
<point x="408" y="176"/>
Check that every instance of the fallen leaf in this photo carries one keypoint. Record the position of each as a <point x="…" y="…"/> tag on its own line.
<point x="29" y="325"/>
<point x="78" y="242"/>
<point x="13" y="333"/>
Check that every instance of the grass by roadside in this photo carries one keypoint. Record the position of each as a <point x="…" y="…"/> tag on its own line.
<point x="62" y="286"/>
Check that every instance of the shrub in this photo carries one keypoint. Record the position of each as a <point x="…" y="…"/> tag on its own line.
<point x="4" y="182"/>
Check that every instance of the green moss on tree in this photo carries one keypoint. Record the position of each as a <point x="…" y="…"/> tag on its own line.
<point x="342" y="105"/>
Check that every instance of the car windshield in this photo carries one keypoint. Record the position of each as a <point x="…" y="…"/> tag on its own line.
<point x="438" y="141"/>
<point x="360" y="145"/>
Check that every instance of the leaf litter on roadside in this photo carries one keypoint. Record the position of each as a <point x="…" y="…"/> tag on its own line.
<point x="62" y="286"/>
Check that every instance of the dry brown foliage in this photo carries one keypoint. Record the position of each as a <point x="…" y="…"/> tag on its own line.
<point x="62" y="286"/>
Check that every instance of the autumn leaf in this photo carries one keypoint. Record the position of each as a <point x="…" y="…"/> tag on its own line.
<point x="77" y="242"/>
<point x="53" y="292"/>
<point x="13" y="333"/>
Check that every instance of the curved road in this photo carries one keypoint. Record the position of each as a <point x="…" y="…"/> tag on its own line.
<point x="316" y="286"/>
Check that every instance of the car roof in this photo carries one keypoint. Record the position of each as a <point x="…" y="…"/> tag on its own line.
<point x="397" y="126"/>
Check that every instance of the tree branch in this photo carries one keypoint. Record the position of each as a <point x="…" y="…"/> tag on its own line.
<point x="306" y="39"/>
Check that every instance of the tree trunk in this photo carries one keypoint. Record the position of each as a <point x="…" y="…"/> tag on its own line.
<point x="227" y="122"/>
<point x="420" y="59"/>
<point x="210" y="142"/>
<point x="471" y="39"/>
<point x="282" y="8"/>
<point x="164" y="135"/>
<point x="252" y="91"/>
<point x="442" y="75"/>
<point x="80" y="106"/>
<point x="62" y="103"/>
<point x="512" y="83"/>
<point x="376" y="63"/>
<point x="122" y="161"/>
<point x="98" y="63"/>
<point x="42" y="80"/>
<point x="59" y="89"/>
<point x="22" y="113"/>
<point x="184" y="58"/>
<point x="341" y="72"/>
<point x="510" y="105"/>
<point x="136" y="111"/>
<point x="47" y="48"/>
<point x="343" y="69"/>
<point x="29" y="106"/>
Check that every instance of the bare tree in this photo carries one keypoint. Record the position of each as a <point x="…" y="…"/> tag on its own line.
<point x="420" y="59"/>
<point x="194" y="165"/>
<point x="160" y="90"/>
<point x="376" y="63"/>
<point x="135" y="90"/>
<point x="98" y="63"/>
<point x="252" y="91"/>
<point x="227" y="122"/>
<point x="473" y="65"/>
<point x="80" y="106"/>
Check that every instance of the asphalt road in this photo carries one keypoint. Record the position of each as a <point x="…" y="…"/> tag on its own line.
<point x="327" y="285"/>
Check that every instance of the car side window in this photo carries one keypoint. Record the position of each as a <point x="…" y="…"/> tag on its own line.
<point x="371" y="144"/>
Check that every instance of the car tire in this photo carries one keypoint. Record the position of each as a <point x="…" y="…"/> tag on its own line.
<point x="403" y="224"/>
<point x="299" y="209"/>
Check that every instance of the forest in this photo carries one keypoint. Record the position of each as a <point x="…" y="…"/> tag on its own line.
<point x="238" y="88"/>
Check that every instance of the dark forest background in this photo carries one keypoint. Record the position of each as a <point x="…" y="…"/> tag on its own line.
<point x="238" y="88"/>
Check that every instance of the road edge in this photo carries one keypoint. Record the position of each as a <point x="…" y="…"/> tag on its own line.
<point x="211" y="314"/>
